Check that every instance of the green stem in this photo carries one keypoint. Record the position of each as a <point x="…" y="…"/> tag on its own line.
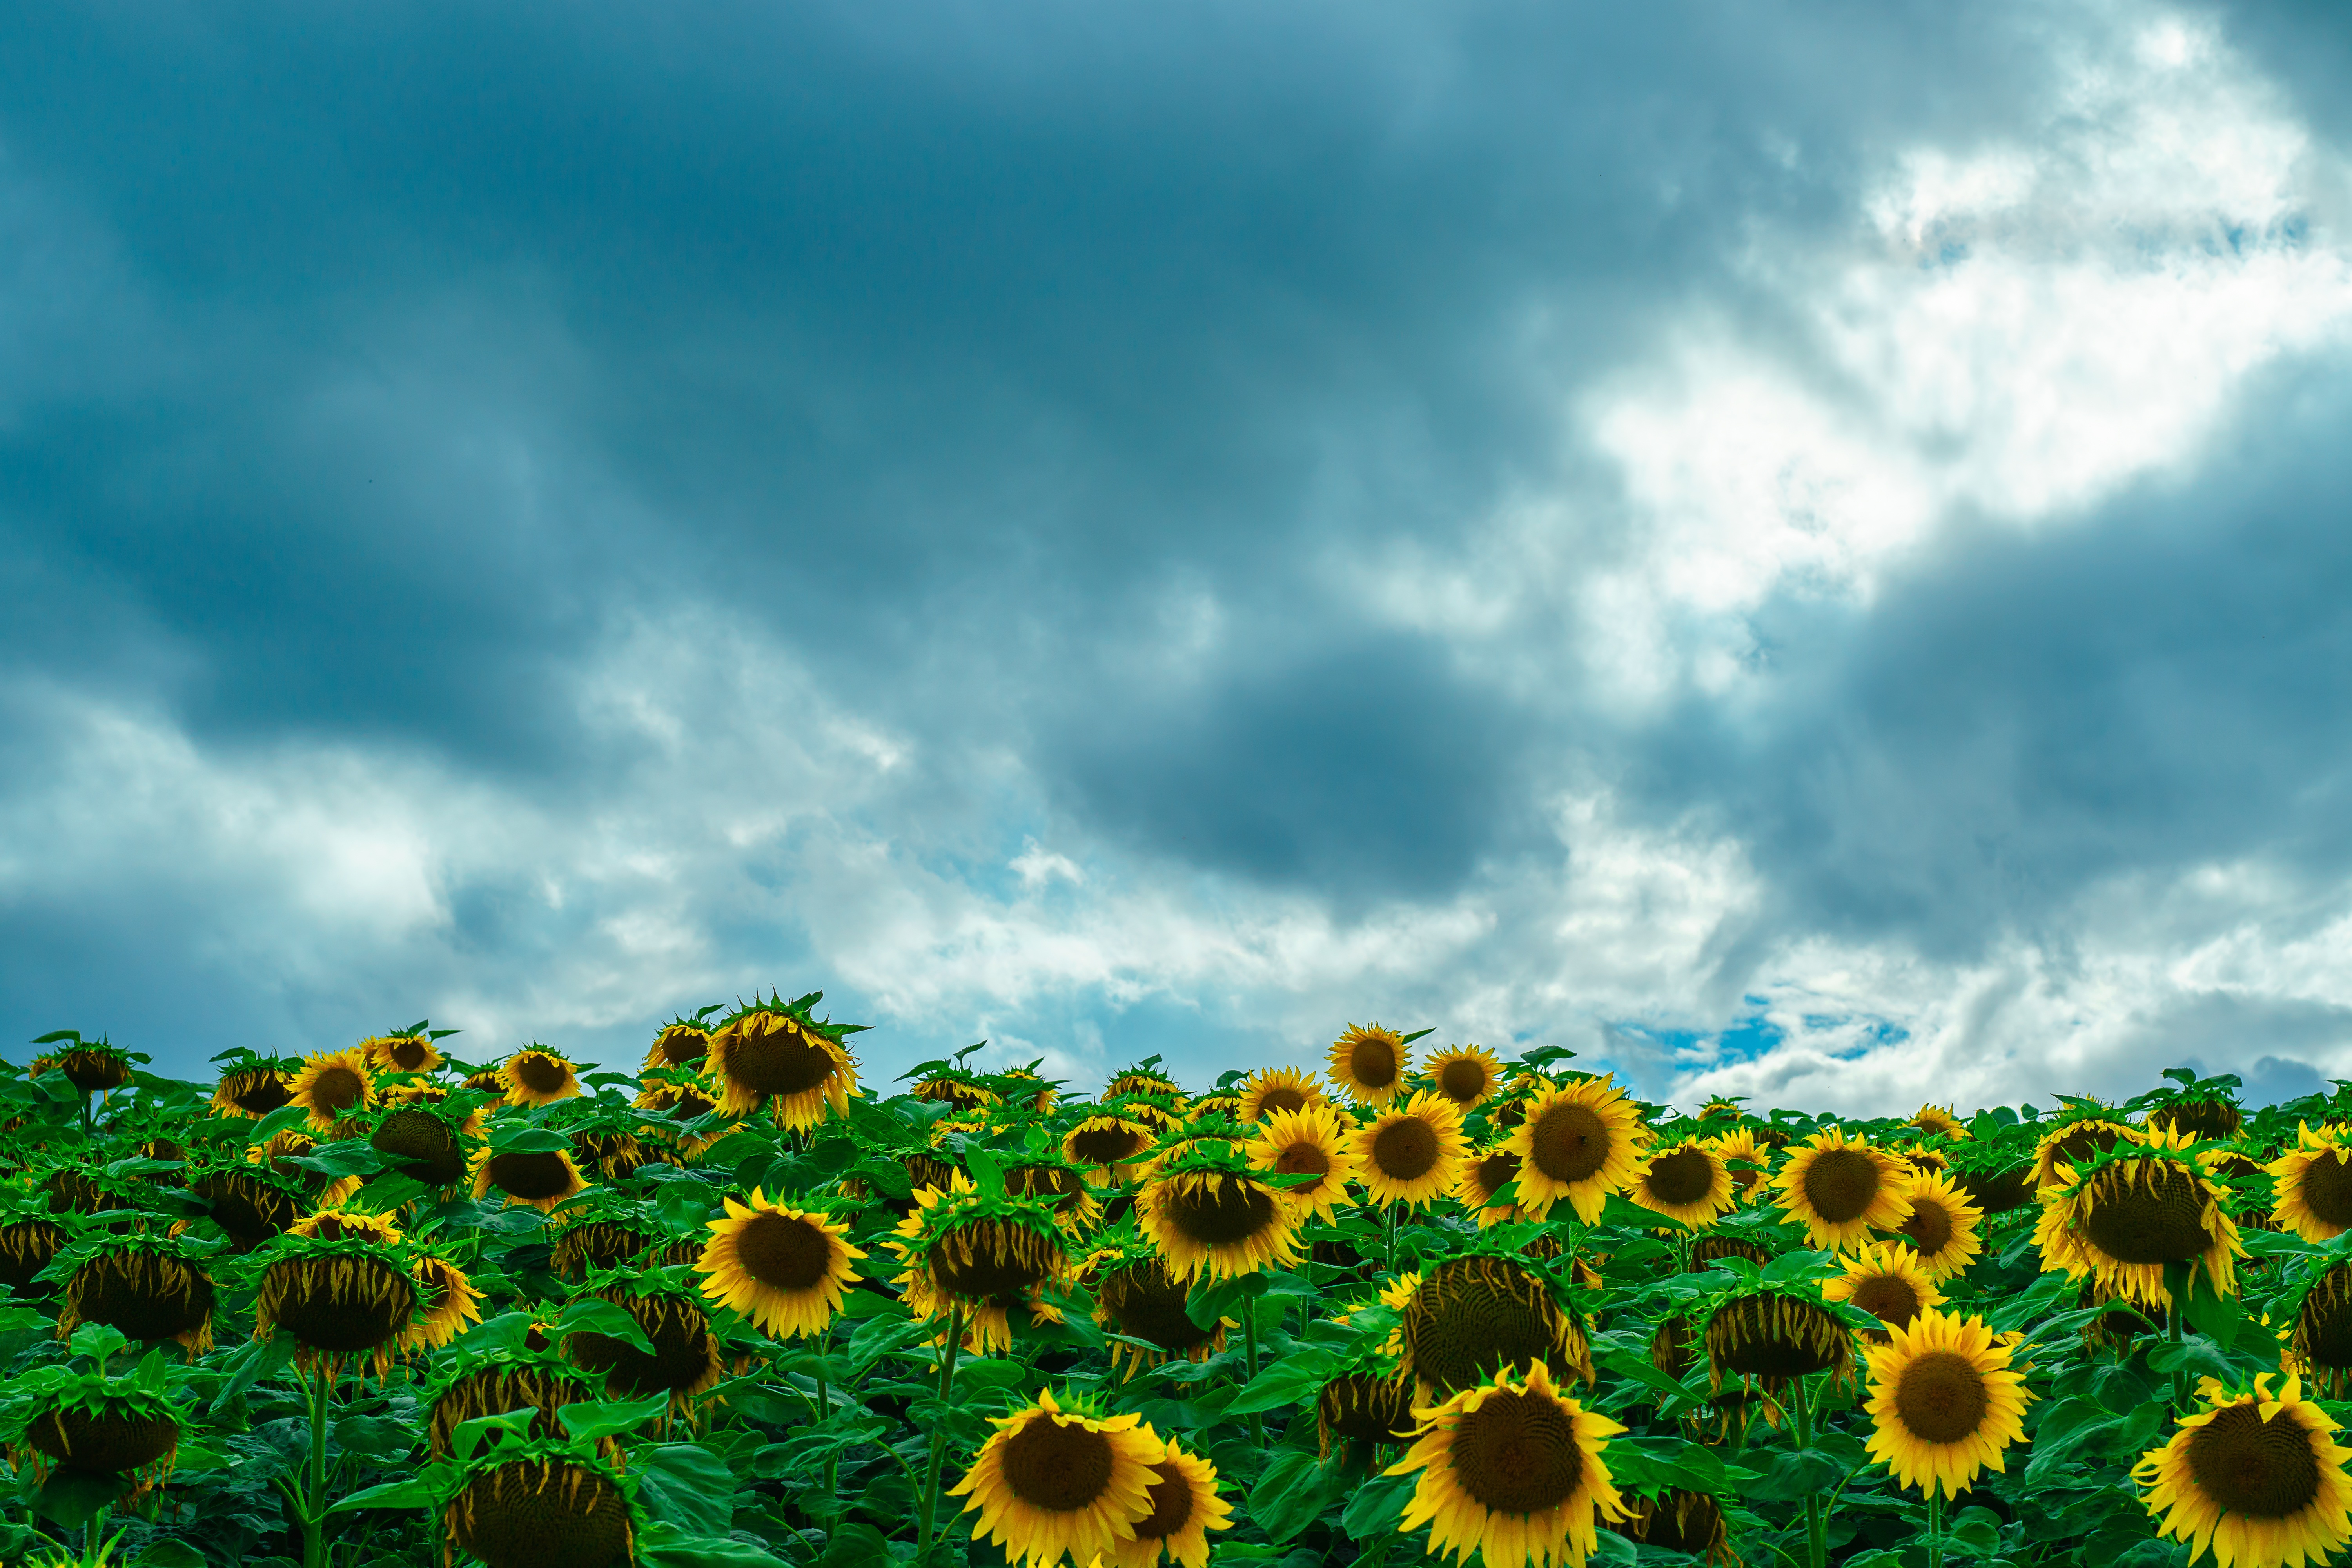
<point x="314" y="1499"/>
<point x="1816" y="1524"/>
<point x="825" y="1410"/>
<point x="94" y="1533"/>
<point x="939" y="1434"/>
<point x="1936" y="1527"/>
<point x="1249" y="1342"/>
<point x="2177" y="1279"/>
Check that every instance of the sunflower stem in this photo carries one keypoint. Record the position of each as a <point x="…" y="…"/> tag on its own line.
<point x="1816" y="1525"/>
<point x="1936" y="1527"/>
<point x="824" y="1409"/>
<point x="2177" y="1279"/>
<point x="940" y="1432"/>
<point x="314" y="1499"/>
<point x="1249" y="1344"/>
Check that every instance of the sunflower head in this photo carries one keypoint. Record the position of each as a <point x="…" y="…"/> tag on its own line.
<point x="1514" y="1469"/>
<point x="1059" y="1479"/>
<point x="1944" y="1401"/>
<point x="1943" y="1228"/>
<point x="1410" y="1153"/>
<point x="1211" y="1210"/>
<point x="150" y="1287"/>
<point x="1312" y="1143"/>
<point x="340" y="1293"/>
<point x="333" y="1086"/>
<point x="2257" y="1475"/>
<point x="424" y="1144"/>
<point x="1483" y="1310"/>
<point x="1469" y="1076"/>
<point x="1478" y="1188"/>
<point x="1184" y="1507"/>
<point x="1887" y="1281"/>
<point x="1112" y="1142"/>
<point x="962" y="1091"/>
<point x="1370" y="1405"/>
<point x="780" y="1055"/>
<point x="411" y="1050"/>
<point x="2086" y="1130"/>
<point x="1144" y="1077"/>
<point x="1137" y="1297"/>
<point x="1840" y="1189"/>
<point x="92" y="1067"/>
<point x="685" y="1361"/>
<point x="2127" y="1214"/>
<point x="253" y="1087"/>
<point x="1369" y="1063"/>
<point x="538" y="1178"/>
<point x="1776" y="1335"/>
<point x="1687" y="1181"/>
<point x="541" y="1502"/>
<point x="967" y="1248"/>
<point x="682" y="1043"/>
<point x="1271" y="1090"/>
<point x="2321" y="1341"/>
<point x="101" y="1427"/>
<point x="250" y="1203"/>
<point x="782" y="1266"/>
<point x="1679" y="1520"/>
<point x="1937" y="1121"/>
<point x="2311" y="1184"/>
<point x="536" y="1075"/>
<point x="2200" y="1117"/>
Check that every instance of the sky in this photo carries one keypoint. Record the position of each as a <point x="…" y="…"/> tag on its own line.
<point x="1792" y="550"/>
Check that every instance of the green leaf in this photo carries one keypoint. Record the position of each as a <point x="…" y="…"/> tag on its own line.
<point x="410" y="1491"/>
<point x="378" y="1437"/>
<point x="526" y="1138"/>
<point x="717" y="1552"/>
<point x="170" y="1554"/>
<point x="1378" y="1505"/>
<point x="592" y="1419"/>
<point x="591" y="1315"/>
<point x="855" y="1546"/>
<point x="688" y="1485"/>
<point x="1290" y="1382"/>
<point x="1290" y="1494"/>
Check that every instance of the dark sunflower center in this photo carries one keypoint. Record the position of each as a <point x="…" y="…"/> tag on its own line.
<point x="102" y="1442"/>
<point x="1373" y="1063"/>
<point x="2079" y="1144"/>
<point x="531" y="1175"/>
<point x="779" y="1250"/>
<point x="1302" y="1160"/>
<point x="680" y="1047"/>
<point x="1366" y="1408"/>
<point x="1057" y="1468"/>
<point x="1171" y="1504"/>
<point x="2147" y="1212"/>
<point x="340" y="1304"/>
<point x="2201" y="1117"/>
<point x="1516" y="1453"/>
<point x="1496" y="1168"/>
<point x="259" y="1093"/>
<point x="1218" y="1214"/>
<point x="1106" y="1145"/>
<point x="539" y="1074"/>
<point x="1888" y="1299"/>
<point x="1473" y="1316"/>
<point x="1461" y="1080"/>
<point x="991" y="1259"/>
<point x="146" y="1296"/>
<point x="542" y="1514"/>
<point x="1570" y="1141"/>
<point x="2327" y="1188"/>
<point x="1775" y="1336"/>
<point x="679" y="1333"/>
<point x="2326" y="1321"/>
<point x="1148" y="1305"/>
<point x="1684" y="1176"/>
<point x="407" y="1053"/>
<point x="337" y="1089"/>
<point x="1281" y="1097"/>
<point x="2261" y="1470"/>
<point x="1930" y="1226"/>
<point x="781" y="1062"/>
<point x="1941" y="1397"/>
<point x="1842" y="1185"/>
<point x="1683" y="1521"/>
<point x="427" y="1147"/>
<point x="1405" y="1149"/>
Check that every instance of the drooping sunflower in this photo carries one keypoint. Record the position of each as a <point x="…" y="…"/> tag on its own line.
<point x="540" y="1504"/>
<point x="960" y="1089"/>
<point x="1514" y="1470"/>
<point x="2312" y="1185"/>
<point x="1113" y="1144"/>
<point x="1309" y="1142"/>
<point x="1021" y="1086"/>
<point x="1370" y="1405"/>
<point x="2199" y="1118"/>
<point x="1775" y="1335"/>
<point x="401" y="1053"/>
<point x="1135" y="1297"/>
<point x="778" y="1054"/>
<point x="1046" y="1174"/>
<point x="2074" y="1139"/>
<point x="2319" y="1345"/>
<point x="470" y="1384"/>
<point x="1580" y="1142"/>
<point x="680" y="1043"/>
<point x="686" y="1361"/>
<point x="1679" y="1520"/>
<point x="782" y="1266"/>
<point x="1466" y="1075"/>
<point x="423" y="1143"/>
<point x="1686" y="1182"/>
<point x="331" y="1086"/>
<point x="28" y="1240"/>
<point x="1056" y="1480"/>
<point x="1471" y="1315"/>
<point x="963" y="1251"/>
<point x="341" y="1297"/>
<point x="1184" y="1508"/>
<point x="2128" y="1213"/>
<point x="1484" y="1172"/>
<point x="1842" y="1189"/>
<point x="1943" y="1229"/>
<point x="1210" y="1212"/>
<point x="535" y="1076"/>
<point x="252" y="1090"/>
<point x="1887" y="1281"/>
<point x="1144" y="1077"/>
<point x="127" y="1432"/>
<point x="149" y="1286"/>
<point x="1218" y="1107"/>
<point x="542" y="1178"/>
<point x="1270" y="1089"/>
<point x="1370" y="1064"/>
<point x="1945" y="1402"/>
<point x="2257" y="1477"/>
<point x="1410" y="1154"/>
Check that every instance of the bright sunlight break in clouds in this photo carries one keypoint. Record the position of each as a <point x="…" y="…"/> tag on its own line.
<point x="1793" y="551"/>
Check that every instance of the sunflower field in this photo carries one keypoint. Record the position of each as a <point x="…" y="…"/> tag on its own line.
<point x="737" y="1308"/>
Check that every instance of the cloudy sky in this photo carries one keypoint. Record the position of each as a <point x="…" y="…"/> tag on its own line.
<point x="1795" y="550"/>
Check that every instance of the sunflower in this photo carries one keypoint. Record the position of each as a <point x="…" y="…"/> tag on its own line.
<point x="455" y="1303"/>
<point x="144" y="1286"/>
<point x="1513" y="1470"/>
<point x="1270" y="1089"/>
<point x="1466" y="1075"/>
<point x="2202" y="1120"/>
<point x="2313" y="1185"/>
<point x="1943" y="1227"/>
<point x="330" y="1085"/>
<point x="26" y="1246"/>
<point x="1309" y="1142"/>
<point x="1047" y="1175"/>
<point x="401" y="1053"/>
<point x="1938" y="1120"/>
<point x="1051" y="1483"/>
<point x="1680" y="1520"/>
<point x="1370" y="1064"/>
<point x="1483" y="1173"/>
<point x="1842" y="1189"/>
<point x="2319" y="1346"/>
<point x="681" y="1043"/>
<point x="1184" y="1508"/>
<point x="1581" y="1142"/>
<point x="782" y="1266"/>
<point x="1749" y="1160"/>
<point x="338" y="1297"/>
<point x="2001" y="1187"/>
<point x="1024" y="1088"/>
<point x="557" y="1507"/>
<point x="133" y="1436"/>
<point x="686" y="1359"/>
<point x="1113" y="1143"/>
<point x="541" y="1178"/>
<point x="1944" y="1401"/>
<point x="2258" y="1479"/>
<point x="1885" y="1282"/>
<point x="1687" y="1181"/>
<point x="1216" y="1215"/>
<point x="1776" y="1335"/>
<point x="1211" y="1108"/>
<point x="251" y="1091"/>
<point x="536" y="1075"/>
<point x="959" y="1090"/>
<point x="1410" y="1155"/>
<point x="2134" y="1213"/>
<point x="963" y="1251"/>
<point x="775" y="1054"/>
<point x="1369" y="1407"/>
<point x="422" y="1145"/>
<point x="1144" y="1078"/>
<point x="2074" y="1141"/>
<point x="1138" y="1298"/>
<point x="1473" y="1315"/>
